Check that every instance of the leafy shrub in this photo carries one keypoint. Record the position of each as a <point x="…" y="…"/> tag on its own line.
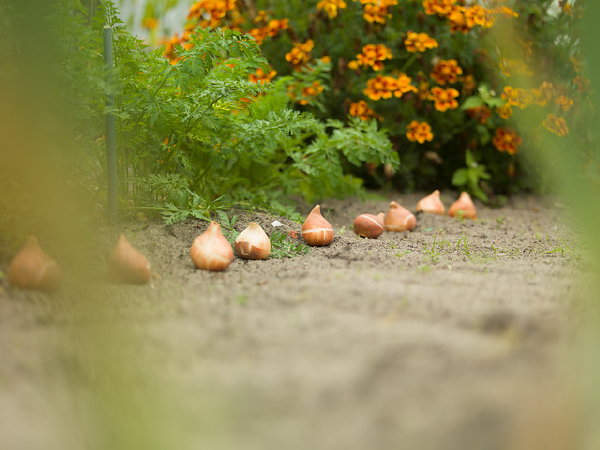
<point x="197" y="136"/>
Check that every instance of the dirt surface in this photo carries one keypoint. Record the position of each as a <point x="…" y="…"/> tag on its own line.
<point x="434" y="339"/>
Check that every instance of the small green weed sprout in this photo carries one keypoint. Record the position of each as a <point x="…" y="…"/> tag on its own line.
<point x="282" y="246"/>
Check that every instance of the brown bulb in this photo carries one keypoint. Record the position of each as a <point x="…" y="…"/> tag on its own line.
<point x="463" y="207"/>
<point x="368" y="225"/>
<point x="32" y="268"/>
<point x="127" y="265"/>
<point x="431" y="204"/>
<point x="316" y="230"/>
<point x="210" y="250"/>
<point x="253" y="243"/>
<point x="399" y="218"/>
<point x="388" y="170"/>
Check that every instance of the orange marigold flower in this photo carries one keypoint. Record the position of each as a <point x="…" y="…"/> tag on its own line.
<point x="419" y="42"/>
<point x="377" y="11"/>
<point x="478" y="15"/>
<point x="300" y="54"/>
<point x="375" y="14"/>
<point x="556" y="125"/>
<point x="386" y="87"/>
<point x="402" y="85"/>
<point x="261" y="17"/>
<point x="276" y="25"/>
<point x="458" y="19"/>
<point x="516" y="97"/>
<point x="210" y="13"/>
<point x="444" y="99"/>
<point x="419" y="132"/>
<point x="362" y="110"/>
<point x="565" y="103"/>
<point x="171" y="46"/>
<point x="372" y="55"/>
<point x="379" y="87"/>
<point x="504" y="111"/>
<point x="331" y="7"/>
<point x="441" y="7"/>
<point x="259" y="34"/>
<point x="271" y="29"/>
<point x="262" y="77"/>
<point x="310" y="91"/>
<point x="507" y="140"/>
<point x="446" y="71"/>
<point x="481" y="113"/>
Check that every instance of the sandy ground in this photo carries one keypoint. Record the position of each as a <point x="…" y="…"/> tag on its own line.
<point x="442" y="338"/>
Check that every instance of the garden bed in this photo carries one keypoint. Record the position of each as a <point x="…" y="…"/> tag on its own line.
<point x="429" y="339"/>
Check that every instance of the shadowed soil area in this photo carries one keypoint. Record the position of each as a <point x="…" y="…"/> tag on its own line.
<point x="440" y="338"/>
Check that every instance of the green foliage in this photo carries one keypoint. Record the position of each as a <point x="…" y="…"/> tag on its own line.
<point x="282" y="246"/>
<point x="196" y="136"/>
<point x="468" y="178"/>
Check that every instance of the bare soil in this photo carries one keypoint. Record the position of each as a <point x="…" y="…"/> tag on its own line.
<point x="433" y="339"/>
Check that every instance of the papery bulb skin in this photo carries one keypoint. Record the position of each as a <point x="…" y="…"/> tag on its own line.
<point x="399" y="219"/>
<point x="463" y="207"/>
<point x="127" y="265"/>
<point x="253" y="243"/>
<point x="211" y="251"/>
<point x="316" y="231"/>
<point x="431" y="204"/>
<point x="32" y="268"/>
<point x="380" y="217"/>
<point x="367" y="225"/>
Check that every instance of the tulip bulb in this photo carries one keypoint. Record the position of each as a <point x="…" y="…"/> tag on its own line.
<point x="463" y="207"/>
<point x="210" y="250"/>
<point x="316" y="230"/>
<point x="368" y="225"/>
<point x="253" y="243"/>
<point x="380" y="218"/>
<point x="399" y="218"/>
<point x="32" y="268"/>
<point x="388" y="171"/>
<point x="127" y="265"/>
<point x="431" y="204"/>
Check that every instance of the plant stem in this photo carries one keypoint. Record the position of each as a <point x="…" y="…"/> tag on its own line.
<point x="409" y="62"/>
